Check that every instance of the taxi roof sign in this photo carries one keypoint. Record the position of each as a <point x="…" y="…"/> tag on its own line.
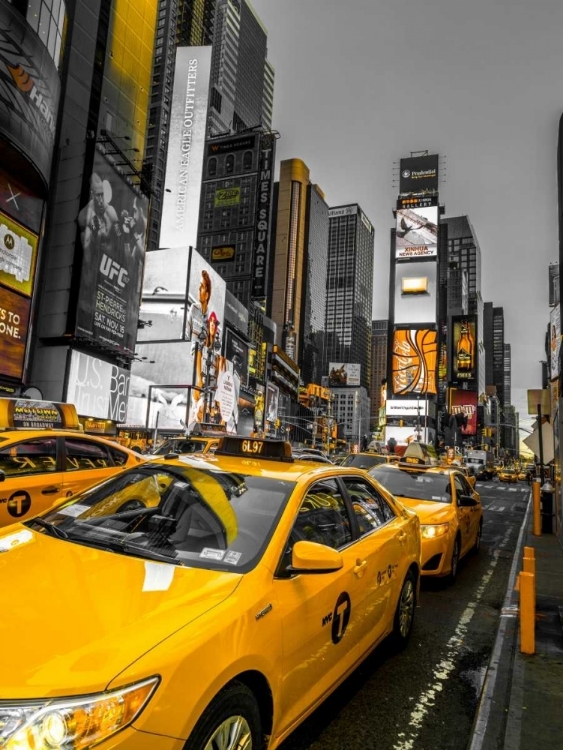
<point x="420" y="454"/>
<point x="276" y="450"/>
<point x="29" y="414"/>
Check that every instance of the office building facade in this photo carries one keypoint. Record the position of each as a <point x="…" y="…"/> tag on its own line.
<point x="379" y="355"/>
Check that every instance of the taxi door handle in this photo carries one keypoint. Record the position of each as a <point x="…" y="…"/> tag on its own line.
<point x="360" y="567"/>
<point x="50" y="490"/>
<point x="401" y="536"/>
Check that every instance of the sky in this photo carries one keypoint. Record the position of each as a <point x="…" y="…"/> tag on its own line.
<point x="363" y="83"/>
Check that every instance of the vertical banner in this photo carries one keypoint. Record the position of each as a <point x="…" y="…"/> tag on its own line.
<point x="554" y="341"/>
<point x="112" y="227"/>
<point x="272" y="402"/>
<point x="186" y="144"/>
<point x="464" y="349"/>
<point x="414" y="361"/>
<point x="264" y="214"/>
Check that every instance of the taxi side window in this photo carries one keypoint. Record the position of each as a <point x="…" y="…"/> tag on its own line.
<point x="370" y="508"/>
<point x="323" y="517"/>
<point x="31" y="457"/>
<point x="461" y="486"/>
<point x="85" y="454"/>
<point x="119" y="457"/>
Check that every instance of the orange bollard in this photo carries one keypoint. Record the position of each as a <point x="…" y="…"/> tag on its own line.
<point x="529" y="562"/>
<point x="527" y="613"/>
<point x="536" y="506"/>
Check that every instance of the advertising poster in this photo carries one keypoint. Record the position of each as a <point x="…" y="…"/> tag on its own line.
<point x="18" y="253"/>
<point x="465" y="402"/>
<point x="166" y="273"/>
<point x="29" y="90"/>
<point x="272" y="402"/>
<point x="236" y="351"/>
<point x="112" y="228"/>
<point x="14" y="321"/>
<point x="554" y="341"/>
<point x="97" y="388"/>
<point x="414" y="361"/>
<point x="20" y="203"/>
<point x="416" y="293"/>
<point x="343" y="374"/>
<point x="259" y="400"/>
<point x="416" y="233"/>
<point x="186" y="146"/>
<point x="419" y="173"/>
<point x="464" y="348"/>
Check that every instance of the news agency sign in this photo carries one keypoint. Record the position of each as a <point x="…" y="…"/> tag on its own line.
<point x="264" y="214"/>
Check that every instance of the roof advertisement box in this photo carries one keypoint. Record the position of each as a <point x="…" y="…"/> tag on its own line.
<point x="419" y="173"/>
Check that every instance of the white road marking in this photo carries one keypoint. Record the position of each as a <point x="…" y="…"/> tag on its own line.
<point x="444" y="669"/>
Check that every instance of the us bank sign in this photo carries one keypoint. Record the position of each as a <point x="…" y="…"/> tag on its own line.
<point x="97" y="388"/>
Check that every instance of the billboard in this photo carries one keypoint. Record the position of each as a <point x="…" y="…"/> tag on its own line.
<point x="342" y="211"/>
<point x="416" y="233"/>
<point x="263" y="214"/>
<point x="272" y="402"/>
<point x="554" y="341"/>
<point x="186" y="145"/>
<point x="414" y="361"/>
<point x="236" y="313"/>
<point x="419" y="173"/>
<point x="236" y="351"/>
<point x="112" y="227"/>
<point x="343" y="374"/>
<point x="97" y="388"/>
<point x="464" y="348"/>
<point x="20" y="203"/>
<point x="29" y="90"/>
<point x="14" y="320"/>
<point x="18" y="254"/>
<point x="416" y="293"/>
<point x="465" y="402"/>
<point x="164" y="302"/>
<point x="554" y="284"/>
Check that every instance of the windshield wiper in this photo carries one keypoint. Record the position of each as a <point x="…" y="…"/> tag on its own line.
<point x="98" y="541"/>
<point x="51" y="528"/>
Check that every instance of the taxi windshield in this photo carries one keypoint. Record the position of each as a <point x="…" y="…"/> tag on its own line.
<point x="363" y="460"/>
<point x="420" y="485"/>
<point x="182" y="515"/>
<point x="181" y="445"/>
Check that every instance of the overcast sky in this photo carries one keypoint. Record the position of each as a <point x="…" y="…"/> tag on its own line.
<point x="360" y="84"/>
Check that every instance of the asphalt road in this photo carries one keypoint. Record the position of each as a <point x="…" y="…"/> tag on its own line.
<point x="425" y="697"/>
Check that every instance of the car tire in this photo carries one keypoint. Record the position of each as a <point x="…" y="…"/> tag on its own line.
<point x="477" y="545"/>
<point x="454" y="560"/>
<point x="404" y="614"/>
<point x="230" y="722"/>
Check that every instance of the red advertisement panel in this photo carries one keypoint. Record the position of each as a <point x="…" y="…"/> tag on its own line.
<point x="465" y="402"/>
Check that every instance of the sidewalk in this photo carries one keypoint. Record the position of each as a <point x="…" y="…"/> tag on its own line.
<point x="521" y="705"/>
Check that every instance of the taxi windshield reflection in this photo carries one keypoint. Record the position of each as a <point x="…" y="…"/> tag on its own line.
<point x="185" y="516"/>
<point x="420" y="485"/>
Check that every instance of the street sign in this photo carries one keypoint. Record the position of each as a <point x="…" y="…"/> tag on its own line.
<point x="541" y="397"/>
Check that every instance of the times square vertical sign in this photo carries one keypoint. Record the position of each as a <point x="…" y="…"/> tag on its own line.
<point x="263" y="214"/>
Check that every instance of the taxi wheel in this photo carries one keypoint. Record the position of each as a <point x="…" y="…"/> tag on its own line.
<point x="230" y="722"/>
<point x="404" y="614"/>
<point x="455" y="561"/>
<point x="477" y="545"/>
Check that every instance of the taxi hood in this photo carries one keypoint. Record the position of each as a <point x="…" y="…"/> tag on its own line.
<point x="428" y="511"/>
<point x="73" y="617"/>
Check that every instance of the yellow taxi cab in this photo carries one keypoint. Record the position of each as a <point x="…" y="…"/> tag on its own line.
<point x="506" y="474"/>
<point x="42" y="463"/>
<point x="190" y="444"/>
<point x="449" y="508"/>
<point x="367" y="459"/>
<point x="219" y="617"/>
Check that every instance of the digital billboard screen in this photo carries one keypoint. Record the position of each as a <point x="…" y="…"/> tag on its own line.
<point x="236" y="351"/>
<point x="465" y="402"/>
<point x="272" y="402"/>
<point x="554" y="341"/>
<point x="416" y="232"/>
<point x="14" y="321"/>
<point x="97" y="388"/>
<point x="414" y="361"/>
<point x="186" y="146"/>
<point x="415" y="300"/>
<point x="464" y="348"/>
<point x="18" y="254"/>
<point x="112" y="228"/>
<point x="419" y="173"/>
<point x="344" y="374"/>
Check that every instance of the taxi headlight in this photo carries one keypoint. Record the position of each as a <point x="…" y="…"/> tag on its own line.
<point x="72" y="724"/>
<point x="434" y="531"/>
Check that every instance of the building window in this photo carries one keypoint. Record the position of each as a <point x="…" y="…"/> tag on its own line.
<point x="230" y="164"/>
<point x="212" y="167"/>
<point x="247" y="161"/>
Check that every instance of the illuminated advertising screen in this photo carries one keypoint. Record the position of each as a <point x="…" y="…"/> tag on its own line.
<point x="419" y="173"/>
<point x="112" y="228"/>
<point x="415" y="293"/>
<point x="554" y="341"/>
<point x="29" y="94"/>
<point x="19" y="203"/>
<point x="14" y="321"/>
<point x="162" y="316"/>
<point x="465" y="402"/>
<point x="272" y="402"/>
<point x="414" y="361"/>
<point x="97" y="388"/>
<point x="416" y="233"/>
<point x="343" y="374"/>
<point x="186" y="146"/>
<point x="18" y="253"/>
<point x="464" y="348"/>
<point x="236" y="351"/>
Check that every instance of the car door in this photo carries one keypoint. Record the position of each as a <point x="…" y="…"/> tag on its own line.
<point x="475" y="511"/>
<point x="382" y="546"/>
<point x="33" y="479"/>
<point x="322" y="613"/>
<point x="464" y="514"/>
<point x="86" y="462"/>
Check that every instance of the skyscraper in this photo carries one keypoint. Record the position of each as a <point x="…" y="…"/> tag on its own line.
<point x="242" y="78"/>
<point x="494" y="349"/>
<point x="297" y="284"/>
<point x="379" y="352"/>
<point x="349" y="289"/>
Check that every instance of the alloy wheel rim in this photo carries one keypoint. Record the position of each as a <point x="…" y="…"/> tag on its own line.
<point x="406" y="608"/>
<point x="232" y="734"/>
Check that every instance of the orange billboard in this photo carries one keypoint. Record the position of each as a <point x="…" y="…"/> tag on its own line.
<point x="414" y="361"/>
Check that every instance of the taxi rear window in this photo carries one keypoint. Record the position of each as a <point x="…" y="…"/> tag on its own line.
<point x="421" y="485"/>
<point x="183" y="515"/>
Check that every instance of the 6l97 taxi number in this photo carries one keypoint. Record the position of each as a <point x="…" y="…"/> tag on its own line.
<point x="252" y="446"/>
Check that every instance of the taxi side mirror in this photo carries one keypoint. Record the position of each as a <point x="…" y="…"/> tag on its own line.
<point x="466" y="501"/>
<point x="2" y="475"/>
<point x="310" y="557"/>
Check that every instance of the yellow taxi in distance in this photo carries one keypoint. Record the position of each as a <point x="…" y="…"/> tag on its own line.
<point x="45" y="465"/>
<point x="195" y="444"/>
<point x="368" y="459"/>
<point x="450" y="511"/>
<point x="506" y="474"/>
<point x="219" y="617"/>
